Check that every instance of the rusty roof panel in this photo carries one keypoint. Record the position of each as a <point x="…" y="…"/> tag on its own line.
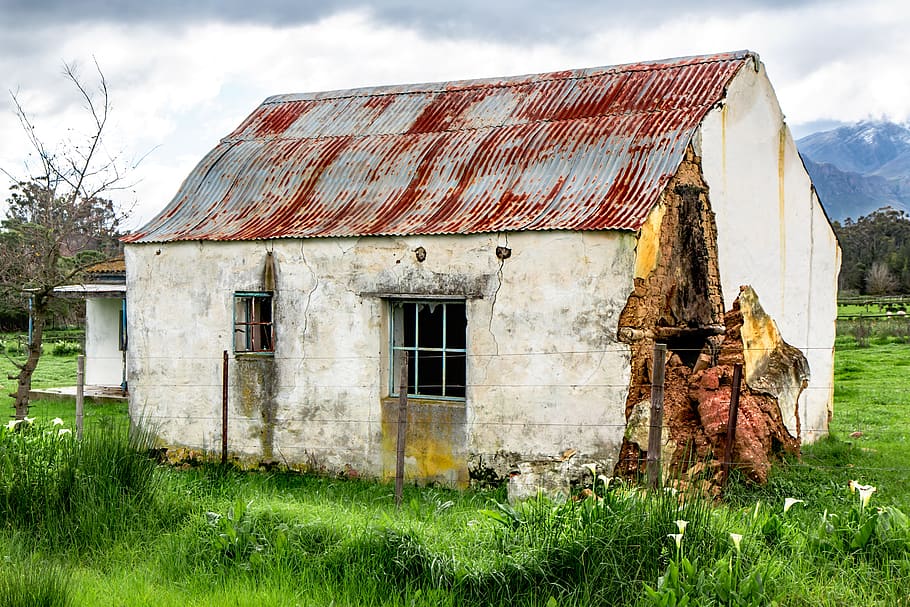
<point x="582" y="149"/>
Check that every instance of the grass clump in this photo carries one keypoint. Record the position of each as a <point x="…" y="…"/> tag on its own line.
<point x="34" y="584"/>
<point x="75" y="494"/>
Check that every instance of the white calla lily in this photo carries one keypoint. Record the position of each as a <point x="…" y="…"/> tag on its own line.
<point x="790" y="502"/>
<point x="737" y="540"/>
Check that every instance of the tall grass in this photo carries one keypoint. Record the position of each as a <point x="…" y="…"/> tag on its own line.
<point x="76" y="494"/>
<point x="98" y="522"/>
<point x="34" y="584"/>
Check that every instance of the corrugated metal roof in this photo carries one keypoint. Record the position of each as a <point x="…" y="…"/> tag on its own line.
<point x="586" y="149"/>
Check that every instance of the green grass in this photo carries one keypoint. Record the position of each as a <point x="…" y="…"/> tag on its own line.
<point x="99" y="523"/>
<point x="52" y="372"/>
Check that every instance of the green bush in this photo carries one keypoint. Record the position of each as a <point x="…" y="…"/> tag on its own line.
<point x="66" y="348"/>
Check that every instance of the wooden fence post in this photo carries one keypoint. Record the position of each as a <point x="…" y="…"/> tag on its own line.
<point x="80" y="394"/>
<point x="402" y="426"/>
<point x="731" y="422"/>
<point x="655" y="439"/>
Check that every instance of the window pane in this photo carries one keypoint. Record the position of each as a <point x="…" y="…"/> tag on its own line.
<point x="412" y="372"/>
<point x="455" y="375"/>
<point x="429" y="373"/>
<point x="429" y="325"/>
<point x="456" y="326"/>
<point x="408" y="315"/>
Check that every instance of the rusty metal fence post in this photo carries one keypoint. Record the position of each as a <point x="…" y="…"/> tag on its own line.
<point x="402" y="426"/>
<point x="657" y="415"/>
<point x="224" y="408"/>
<point x="731" y="422"/>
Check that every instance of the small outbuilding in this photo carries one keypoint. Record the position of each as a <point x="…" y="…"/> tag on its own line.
<point x="104" y="290"/>
<point x="523" y="240"/>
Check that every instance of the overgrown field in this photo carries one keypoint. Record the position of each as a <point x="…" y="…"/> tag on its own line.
<point x="100" y="523"/>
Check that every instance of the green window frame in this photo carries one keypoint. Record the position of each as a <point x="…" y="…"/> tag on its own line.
<point x="254" y="330"/>
<point x="434" y="335"/>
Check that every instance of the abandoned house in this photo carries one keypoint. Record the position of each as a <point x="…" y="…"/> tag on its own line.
<point x="524" y="240"/>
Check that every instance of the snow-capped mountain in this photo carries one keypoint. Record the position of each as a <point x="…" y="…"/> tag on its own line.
<point x="859" y="168"/>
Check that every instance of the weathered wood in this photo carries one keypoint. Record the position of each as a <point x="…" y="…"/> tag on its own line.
<point x="402" y="426"/>
<point x="731" y="422"/>
<point x="655" y="439"/>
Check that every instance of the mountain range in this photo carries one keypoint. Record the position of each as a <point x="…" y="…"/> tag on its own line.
<point x="859" y="168"/>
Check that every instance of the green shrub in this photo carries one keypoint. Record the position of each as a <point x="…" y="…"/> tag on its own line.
<point x="66" y="348"/>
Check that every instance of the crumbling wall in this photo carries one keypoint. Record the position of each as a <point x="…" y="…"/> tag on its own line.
<point x="677" y="300"/>
<point x="761" y="435"/>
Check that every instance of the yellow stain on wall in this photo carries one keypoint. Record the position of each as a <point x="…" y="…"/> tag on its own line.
<point x="648" y="250"/>
<point x="434" y="443"/>
<point x="759" y="333"/>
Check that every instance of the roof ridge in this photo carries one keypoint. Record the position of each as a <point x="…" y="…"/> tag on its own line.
<point x="482" y="83"/>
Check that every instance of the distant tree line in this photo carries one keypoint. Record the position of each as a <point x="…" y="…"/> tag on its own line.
<point x="875" y="253"/>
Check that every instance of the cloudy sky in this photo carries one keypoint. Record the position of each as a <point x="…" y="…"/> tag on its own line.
<point x="183" y="73"/>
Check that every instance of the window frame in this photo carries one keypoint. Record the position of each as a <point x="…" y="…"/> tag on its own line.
<point x="393" y="349"/>
<point x="246" y="326"/>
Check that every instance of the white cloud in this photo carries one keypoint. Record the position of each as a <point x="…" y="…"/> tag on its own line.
<point x="178" y="88"/>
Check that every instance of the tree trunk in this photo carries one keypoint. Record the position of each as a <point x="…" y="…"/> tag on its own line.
<point x="24" y="384"/>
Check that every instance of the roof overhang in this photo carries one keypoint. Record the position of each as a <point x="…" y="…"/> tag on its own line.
<point x="90" y="291"/>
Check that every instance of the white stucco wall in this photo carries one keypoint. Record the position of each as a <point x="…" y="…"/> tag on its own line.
<point x="103" y="358"/>
<point x="772" y="231"/>
<point x="544" y="374"/>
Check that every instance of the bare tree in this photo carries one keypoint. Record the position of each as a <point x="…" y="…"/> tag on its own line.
<point x="58" y="221"/>
<point x="880" y="280"/>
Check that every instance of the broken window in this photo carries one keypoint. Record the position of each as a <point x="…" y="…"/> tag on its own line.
<point x="253" y="329"/>
<point x="433" y="335"/>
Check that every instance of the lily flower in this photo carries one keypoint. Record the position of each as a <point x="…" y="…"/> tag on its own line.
<point x="29" y="420"/>
<point x="592" y="467"/>
<point x="681" y="525"/>
<point x="63" y="432"/>
<point x="790" y="502"/>
<point x="865" y="494"/>
<point x="677" y="537"/>
<point x="11" y="424"/>
<point x="737" y="539"/>
<point x="57" y="421"/>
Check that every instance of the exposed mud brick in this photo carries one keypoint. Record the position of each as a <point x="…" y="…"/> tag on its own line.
<point x="677" y="292"/>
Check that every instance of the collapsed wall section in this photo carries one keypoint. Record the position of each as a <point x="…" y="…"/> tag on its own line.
<point x="677" y="300"/>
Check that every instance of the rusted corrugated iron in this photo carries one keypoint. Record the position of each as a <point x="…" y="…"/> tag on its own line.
<point x="577" y="150"/>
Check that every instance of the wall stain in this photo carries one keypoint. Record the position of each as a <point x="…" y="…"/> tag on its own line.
<point x="254" y="387"/>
